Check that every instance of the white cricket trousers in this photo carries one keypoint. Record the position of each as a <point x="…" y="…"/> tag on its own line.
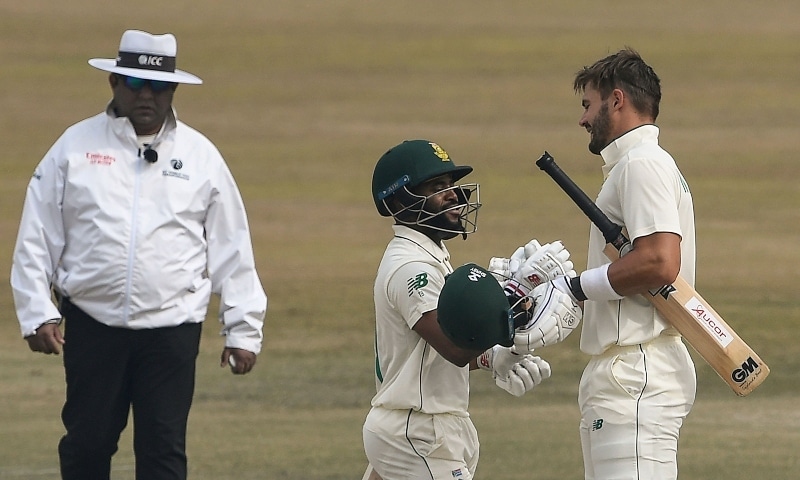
<point x="633" y="401"/>
<point x="404" y="444"/>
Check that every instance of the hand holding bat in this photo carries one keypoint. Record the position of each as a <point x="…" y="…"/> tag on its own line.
<point x="678" y="303"/>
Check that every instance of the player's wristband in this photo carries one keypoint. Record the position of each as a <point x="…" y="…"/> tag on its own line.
<point x="576" y="289"/>
<point x="594" y="284"/>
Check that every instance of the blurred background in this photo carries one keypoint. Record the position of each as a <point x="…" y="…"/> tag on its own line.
<point x="303" y="97"/>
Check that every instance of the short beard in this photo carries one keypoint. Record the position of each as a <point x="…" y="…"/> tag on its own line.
<point x="601" y="125"/>
<point x="442" y="222"/>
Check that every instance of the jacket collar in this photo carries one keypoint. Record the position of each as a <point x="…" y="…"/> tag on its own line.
<point x="123" y="128"/>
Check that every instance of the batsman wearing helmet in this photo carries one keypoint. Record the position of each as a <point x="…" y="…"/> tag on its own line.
<point x="418" y="426"/>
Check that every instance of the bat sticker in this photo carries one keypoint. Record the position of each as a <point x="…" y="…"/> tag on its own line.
<point x="709" y="321"/>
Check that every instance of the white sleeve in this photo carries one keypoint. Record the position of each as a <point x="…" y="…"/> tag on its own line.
<point x="231" y="266"/>
<point x="650" y="203"/>
<point x="414" y="290"/>
<point x="40" y="242"/>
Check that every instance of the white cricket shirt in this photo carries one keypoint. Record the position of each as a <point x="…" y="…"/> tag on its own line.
<point x="644" y="192"/>
<point x="409" y="373"/>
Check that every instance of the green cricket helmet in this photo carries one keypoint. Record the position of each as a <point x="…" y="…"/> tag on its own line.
<point x="473" y="311"/>
<point x="410" y="164"/>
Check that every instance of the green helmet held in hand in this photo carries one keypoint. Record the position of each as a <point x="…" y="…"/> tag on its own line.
<point x="473" y="310"/>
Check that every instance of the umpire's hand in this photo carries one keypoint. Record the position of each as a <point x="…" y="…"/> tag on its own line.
<point x="47" y="339"/>
<point x="241" y="361"/>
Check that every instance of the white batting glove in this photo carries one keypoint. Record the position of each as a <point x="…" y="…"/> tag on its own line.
<point x="543" y="263"/>
<point x="562" y="284"/>
<point x="524" y="375"/>
<point x="555" y="316"/>
<point x="514" y="373"/>
<point x="497" y="358"/>
<point x="504" y="268"/>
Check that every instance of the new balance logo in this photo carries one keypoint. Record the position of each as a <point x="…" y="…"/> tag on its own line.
<point x="417" y="282"/>
<point x="597" y="424"/>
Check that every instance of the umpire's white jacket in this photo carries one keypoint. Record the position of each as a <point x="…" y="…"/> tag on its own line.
<point x="137" y="244"/>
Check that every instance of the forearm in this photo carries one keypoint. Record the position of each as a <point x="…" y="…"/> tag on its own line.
<point x="634" y="274"/>
<point x="428" y="328"/>
<point x="654" y="261"/>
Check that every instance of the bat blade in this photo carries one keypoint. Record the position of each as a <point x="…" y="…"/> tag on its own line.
<point x="706" y="331"/>
<point x="679" y="304"/>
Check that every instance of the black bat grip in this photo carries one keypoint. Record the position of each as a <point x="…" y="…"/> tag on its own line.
<point x="611" y="231"/>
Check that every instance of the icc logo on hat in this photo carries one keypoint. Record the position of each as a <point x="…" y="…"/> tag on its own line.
<point x="150" y="60"/>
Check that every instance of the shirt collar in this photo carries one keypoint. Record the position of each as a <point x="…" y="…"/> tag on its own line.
<point x="620" y="146"/>
<point x="437" y="251"/>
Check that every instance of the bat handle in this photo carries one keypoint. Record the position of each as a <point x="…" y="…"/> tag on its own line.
<point x="611" y="231"/>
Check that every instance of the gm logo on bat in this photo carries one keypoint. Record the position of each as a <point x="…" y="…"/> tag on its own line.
<point x="739" y="375"/>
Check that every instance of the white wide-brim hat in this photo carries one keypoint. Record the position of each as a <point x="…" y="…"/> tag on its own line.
<point x="148" y="56"/>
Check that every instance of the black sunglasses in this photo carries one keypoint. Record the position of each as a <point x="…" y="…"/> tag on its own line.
<point x="136" y="84"/>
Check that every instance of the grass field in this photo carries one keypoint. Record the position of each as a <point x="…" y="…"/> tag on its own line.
<point x="302" y="97"/>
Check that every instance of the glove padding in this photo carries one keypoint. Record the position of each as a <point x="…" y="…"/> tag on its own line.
<point x="504" y="269"/>
<point x="514" y="373"/>
<point x="562" y="284"/>
<point x="543" y="263"/>
<point x="555" y="316"/>
<point x="524" y="375"/>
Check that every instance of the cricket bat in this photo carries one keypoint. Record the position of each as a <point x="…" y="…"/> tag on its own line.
<point x="679" y="304"/>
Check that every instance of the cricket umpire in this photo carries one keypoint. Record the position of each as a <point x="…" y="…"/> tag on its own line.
<point x="133" y="219"/>
<point x="419" y="426"/>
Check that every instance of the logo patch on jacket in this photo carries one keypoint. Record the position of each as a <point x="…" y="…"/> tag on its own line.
<point x="176" y="164"/>
<point x="99" y="158"/>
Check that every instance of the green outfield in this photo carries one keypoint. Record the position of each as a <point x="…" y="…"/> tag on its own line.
<point x="302" y="97"/>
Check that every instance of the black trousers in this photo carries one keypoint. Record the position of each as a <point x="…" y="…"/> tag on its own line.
<point x="108" y="372"/>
